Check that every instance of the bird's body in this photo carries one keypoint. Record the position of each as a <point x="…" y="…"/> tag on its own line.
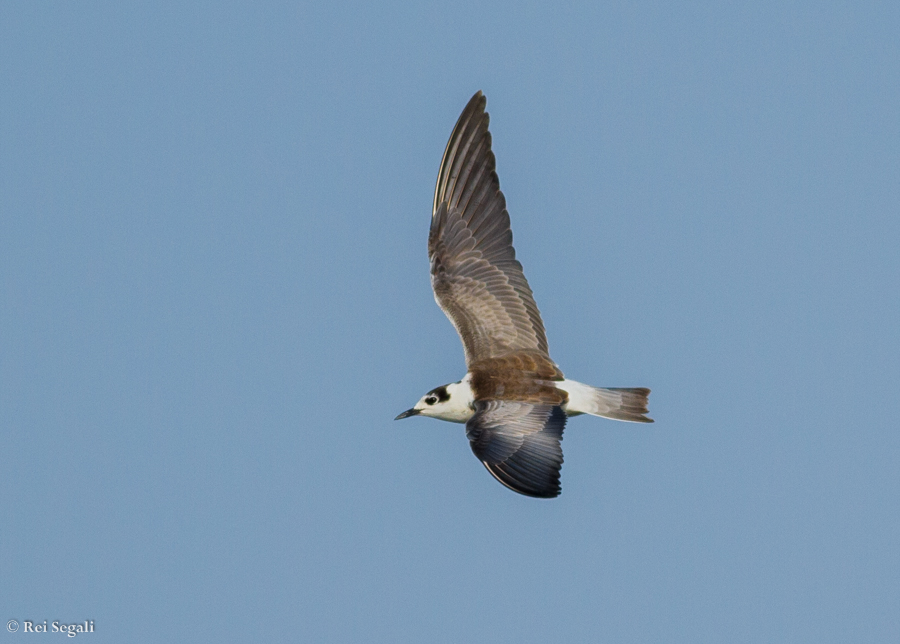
<point x="514" y="400"/>
<point x="456" y="401"/>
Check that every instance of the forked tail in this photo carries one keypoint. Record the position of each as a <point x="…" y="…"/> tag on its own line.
<point x="614" y="402"/>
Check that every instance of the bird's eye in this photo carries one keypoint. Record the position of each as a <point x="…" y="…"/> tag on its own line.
<point x="430" y="400"/>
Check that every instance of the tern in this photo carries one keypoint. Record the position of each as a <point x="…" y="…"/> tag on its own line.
<point x="514" y="400"/>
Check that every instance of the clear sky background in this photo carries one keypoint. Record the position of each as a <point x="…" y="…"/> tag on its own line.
<point x="214" y="299"/>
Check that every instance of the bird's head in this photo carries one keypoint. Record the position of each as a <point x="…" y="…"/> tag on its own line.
<point x="451" y="402"/>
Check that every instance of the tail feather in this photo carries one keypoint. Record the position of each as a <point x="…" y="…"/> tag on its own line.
<point x="628" y="404"/>
<point x="623" y="403"/>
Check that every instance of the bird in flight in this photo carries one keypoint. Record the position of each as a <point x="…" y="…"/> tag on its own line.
<point x="513" y="399"/>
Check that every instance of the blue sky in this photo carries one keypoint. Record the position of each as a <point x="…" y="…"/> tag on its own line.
<point x="215" y="300"/>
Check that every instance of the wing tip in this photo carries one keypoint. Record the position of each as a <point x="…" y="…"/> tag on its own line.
<point x="475" y="106"/>
<point x="550" y="491"/>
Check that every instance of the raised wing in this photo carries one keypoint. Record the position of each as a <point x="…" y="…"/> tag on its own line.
<point x="476" y="278"/>
<point x="519" y="444"/>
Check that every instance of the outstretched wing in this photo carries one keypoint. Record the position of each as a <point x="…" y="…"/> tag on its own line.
<point x="476" y="278"/>
<point x="519" y="444"/>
